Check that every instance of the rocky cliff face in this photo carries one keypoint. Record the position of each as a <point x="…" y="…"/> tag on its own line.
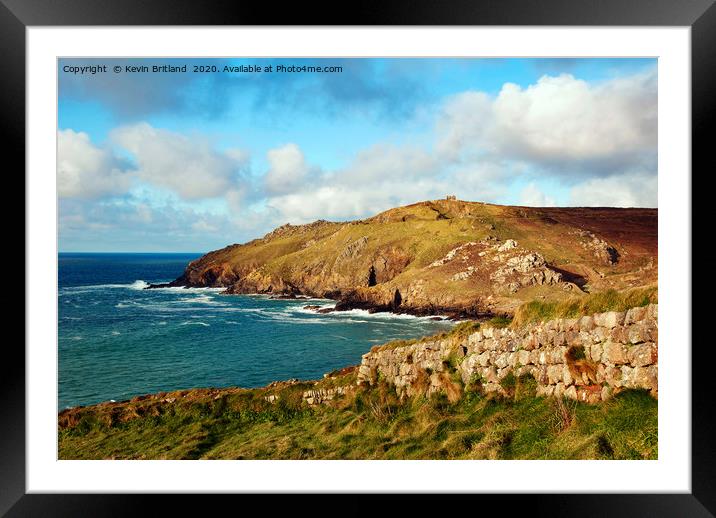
<point x="588" y="358"/>
<point x="448" y="256"/>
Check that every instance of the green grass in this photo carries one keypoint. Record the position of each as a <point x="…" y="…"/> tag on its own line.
<point x="610" y="300"/>
<point x="372" y="423"/>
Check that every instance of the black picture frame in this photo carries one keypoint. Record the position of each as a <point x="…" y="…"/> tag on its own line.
<point x="700" y="15"/>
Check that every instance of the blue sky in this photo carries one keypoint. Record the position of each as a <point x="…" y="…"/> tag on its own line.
<point x="195" y="161"/>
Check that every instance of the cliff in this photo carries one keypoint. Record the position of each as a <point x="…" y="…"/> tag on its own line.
<point x="446" y="256"/>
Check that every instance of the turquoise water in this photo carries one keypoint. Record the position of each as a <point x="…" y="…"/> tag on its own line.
<point x="117" y="340"/>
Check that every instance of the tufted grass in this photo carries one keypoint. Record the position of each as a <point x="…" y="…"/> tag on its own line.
<point x="609" y="300"/>
<point x="372" y="423"/>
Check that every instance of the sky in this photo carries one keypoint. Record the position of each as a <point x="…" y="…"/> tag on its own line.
<point x="193" y="161"/>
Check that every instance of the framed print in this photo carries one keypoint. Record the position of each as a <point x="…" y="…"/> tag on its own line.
<point x="417" y="253"/>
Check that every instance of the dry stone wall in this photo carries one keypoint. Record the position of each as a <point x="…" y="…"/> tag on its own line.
<point x="588" y="358"/>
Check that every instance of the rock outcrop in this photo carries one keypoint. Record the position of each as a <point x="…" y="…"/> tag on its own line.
<point x="588" y="358"/>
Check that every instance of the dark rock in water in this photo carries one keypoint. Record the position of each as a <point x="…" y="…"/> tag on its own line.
<point x="326" y="310"/>
<point x="437" y="318"/>
<point x="313" y="307"/>
<point x="288" y="296"/>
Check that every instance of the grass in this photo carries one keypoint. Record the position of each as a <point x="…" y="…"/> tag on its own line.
<point x="371" y="423"/>
<point x="610" y="300"/>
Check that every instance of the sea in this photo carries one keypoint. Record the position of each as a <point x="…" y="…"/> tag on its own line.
<point x="118" y="340"/>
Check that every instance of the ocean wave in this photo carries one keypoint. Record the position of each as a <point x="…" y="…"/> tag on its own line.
<point x="139" y="284"/>
<point x="136" y="285"/>
<point x="382" y="315"/>
<point x="188" y="323"/>
<point x="202" y="299"/>
<point x="186" y="289"/>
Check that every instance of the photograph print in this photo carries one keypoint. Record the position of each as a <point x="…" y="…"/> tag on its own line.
<point x="359" y="258"/>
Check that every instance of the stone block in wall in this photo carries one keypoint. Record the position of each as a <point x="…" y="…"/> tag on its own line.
<point x="642" y="355"/>
<point x="365" y="373"/>
<point x="571" y="324"/>
<point x="510" y="344"/>
<point x="490" y="344"/>
<point x="590" y="394"/>
<point x="614" y="353"/>
<point x="611" y="319"/>
<point x="601" y="373"/>
<point x="556" y="355"/>
<point x="644" y="377"/>
<point x="586" y="323"/>
<point x="637" y="333"/>
<point x="606" y="392"/>
<point x="634" y="315"/>
<point x="502" y="360"/>
<point x="545" y="390"/>
<point x="594" y="352"/>
<point x="405" y="369"/>
<point x="620" y="334"/>
<point x="534" y="356"/>
<point x="627" y="379"/>
<point x="554" y="374"/>
<point x="541" y="374"/>
<point x="572" y="337"/>
<point x="522" y="371"/>
<point x="530" y="342"/>
<point x="586" y="338"/>
<point x="567" y="375"/>
<point x="489" y="374"/>
<point x="560" y="339"/>
<point x="482" y="359"/>
<point x="559" y="389"/>
<point x="600" y="334"/>
<point x="570" y="392"/>
<point x="613" y="376"/>
<point x="523" y="357"/>
<point x="582" y="379"/>
<point x="474" y="339"/>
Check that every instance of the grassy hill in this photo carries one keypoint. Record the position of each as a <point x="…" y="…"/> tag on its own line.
<point x="437" y="256"/>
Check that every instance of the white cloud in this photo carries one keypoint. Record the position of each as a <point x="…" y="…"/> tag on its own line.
<point x="190" y="167"/>
<point x="288" y="169"/>
<point x="559" y="123"/>
<point x="379" y="178"/>
<point x="629" y="190"/>
<point x="85" y="170"/>
<point x="532" y="196"/>
<point x="381" y="162"/>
